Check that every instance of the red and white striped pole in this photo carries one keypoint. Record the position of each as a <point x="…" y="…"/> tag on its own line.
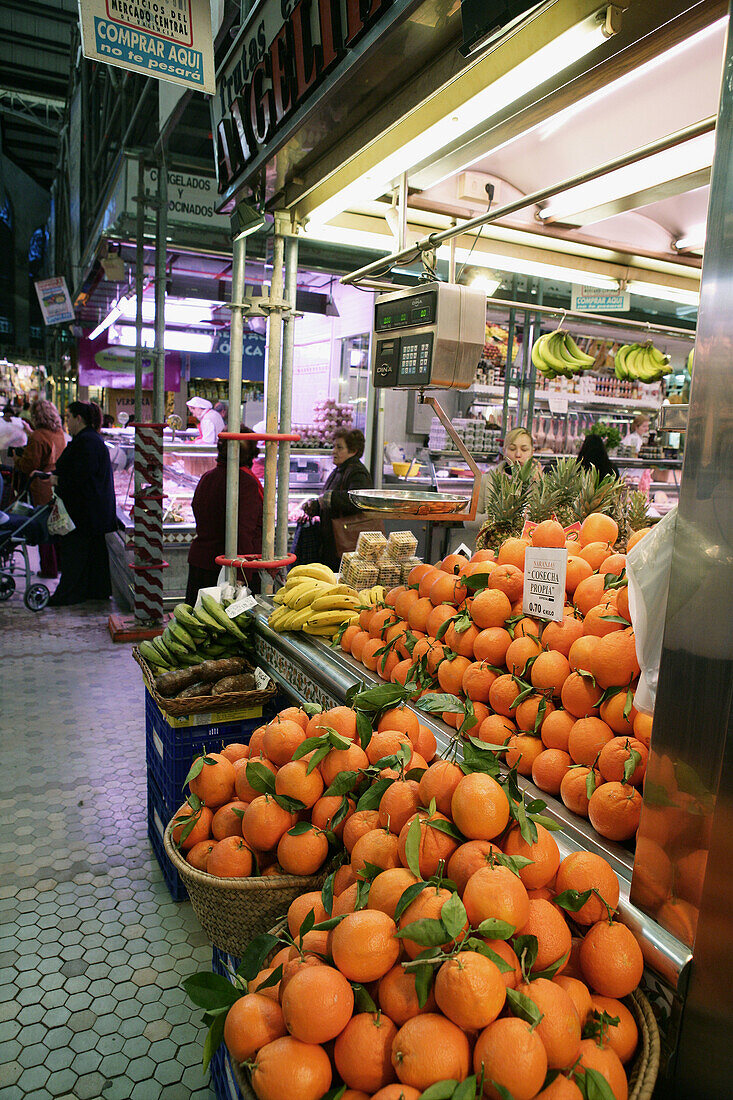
<point x="147" y="514"/>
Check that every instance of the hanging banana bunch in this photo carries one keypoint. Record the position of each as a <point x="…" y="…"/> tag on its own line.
<point x="556" y="354"/>
<point x="641" y="362"/>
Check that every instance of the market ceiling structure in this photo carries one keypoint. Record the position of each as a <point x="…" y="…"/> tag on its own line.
<point x="35" y="63"/>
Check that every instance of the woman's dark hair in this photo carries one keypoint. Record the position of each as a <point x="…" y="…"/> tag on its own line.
<point x="108" y="421"/>
<point x="248" y="449"/>
<point x="593" y="453"/>
<point x="89" y="411"/>
<point x="353" y="438"/>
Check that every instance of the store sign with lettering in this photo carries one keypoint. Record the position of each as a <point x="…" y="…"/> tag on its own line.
<point x="167" y="39"/>
<point x="590" y="299"/>
<point x="544" y="582"/>
<point x="282" y="55"/>
<point x="54" y="300"/>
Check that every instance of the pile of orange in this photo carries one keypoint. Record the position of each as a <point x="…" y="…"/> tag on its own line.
<point x="557" y="695"/>
<point x="450" y="948"/>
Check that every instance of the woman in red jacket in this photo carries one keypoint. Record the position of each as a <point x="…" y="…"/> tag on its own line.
<point x="209" y="509"/>
<point x="45" y="444"/>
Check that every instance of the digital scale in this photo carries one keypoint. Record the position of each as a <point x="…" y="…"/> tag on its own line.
<point x="431" y="337"/>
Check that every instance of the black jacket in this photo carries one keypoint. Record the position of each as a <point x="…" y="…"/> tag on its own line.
<point x="85" y="483"/>
<point x="351" y="474"/>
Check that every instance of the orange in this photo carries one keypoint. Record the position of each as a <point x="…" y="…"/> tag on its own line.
<point x="611" y="959"/>
<point x="616" y="754"/>
<point x="264" y="822"/>
<point x="467" y="859"/>
<point x="598" y="527"/>
<point x="326" y="808"/>
<point x="622" y="603"/>
<point x="527" y="714"/>
<point x="583" y="871"/>
<point x="615" y="564"/>
<point x="394" y="594"/>
<point x="490" y="609"/>
<point x="364" y="946"/>
<point x="439" y="782"/>
<point x="555" y="729"/>
<point x="561" y="1088"/>
<point x="359" y="642"/>
<point x="550" y="671"/>
<point x="281" y="740"/>
<point x="579" y="994"/>
<point x="380" y="622"/>
<point x="614" y="811"/>
<point x="201" y="830"/>
<point x="510" y="1053"/>
<point x="544" y="853"/>
<point x="379" y="847"/>
<point x="272" y="991"/>
<point x="417" y="616"/>
<point x="230" y="858"/>
<point x="301" y="907"/>
<point x="343" y="878"/>
<point x="497" y="893"/>
<point x="521" y="652"/>
<point x="396" y="1092"/>
<point x="398" y="804"/>
<point x="370" y="655"/>
<point x="614" y="661"/>
<point x="251" y="1022"/>
<point x="427" y="579"/>
<point x="255" y="742"/>
<point x="607" y="1063"/>
<point x="587" y="738"/>
<point x="527" y="626"/>
<point x="436" y="847"/>
<point x="622" y="1037"/>
<point x="612" y="713"/>
<point x="559" y="1028"/>
<point x="198" y="856"/>
<point x="401" y="671"/>
<point x="235" y="751"/>
<point x="574" y="788"/>
<point x="417" y="571"/>
<point x="428" y="905"/>
<point x="582" y="651"/>
<point x="452" y="563"/>
<point x="504" y="950"/>
<point x="353" y="759"/>
<point x="447" y="589"/>
<point x="589" y="593"/>
<point x="397" y="996"/>
<point x="426" y="744"/>
<point x="595" y="553"/>
<point x="406" y="599"/>
<point x="325" y="987"/>
<point x="244" y="791"/>
<point x="502" y="694"/>
<point x="549" y="533"/>
<point x="522" y="752"/>
<point x="469" y="990"/>
<point x="599" y="621"/>
<point x="386" y="743"/>
<point x="636" y="536"/>
<point x="578" y="569"/>
<point x="480" y="807"/>
<point x="435" y="657"/>
<point x="559" y="637"/>
<point x="461" y="641"/>
<point x="340" y="719"/>
<point x="387" y="889"/>
<point x="214" y="785"/>
<point x="450" y="674"/>
<point x="361" y="822"/>
<point x="428" y="1049"/>
<point x="546" y="922"/>
<point x="643" y="728"/>
<point x="402" y="719"/>
<point x="441" y="614"/>
<point x="549" y="769"/>
<point x="512" y="551"/>
<point x="348" y="636"/>
<point x="302" y="854"/>
<point x="363" y="1052"/>
<point x="579" y="696"/>
<point x="509" y="580"/>
<point x="287" y="1067"/>
<point x="346" y="901"/>
<point x="293" y="781"/>
<point x="491" y="644"/>
<point x="494" y="730"/>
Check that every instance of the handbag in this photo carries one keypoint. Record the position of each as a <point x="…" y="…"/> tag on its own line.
<point x="346" y="531"/>
<point x="59" y="520"/>
<point x="307" y="542"/>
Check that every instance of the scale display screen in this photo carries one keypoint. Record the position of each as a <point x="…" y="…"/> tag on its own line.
<point x="419" y="309"/>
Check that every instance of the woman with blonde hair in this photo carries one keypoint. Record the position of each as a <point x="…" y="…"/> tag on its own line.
<point x="518" y="449"/>
<point x="45" y="444"/>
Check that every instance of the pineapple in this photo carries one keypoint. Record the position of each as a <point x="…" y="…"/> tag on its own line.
<point x="597" y="494"/>
<point x="542" y="500"/>
<point x="632" y="513"/>
<point x="564" y="480"/>
<point x="507" y="497"/>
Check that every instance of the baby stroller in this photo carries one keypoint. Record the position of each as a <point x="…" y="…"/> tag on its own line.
<point x="24" y="527"/>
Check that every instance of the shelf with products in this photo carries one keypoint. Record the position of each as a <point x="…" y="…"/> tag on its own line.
<point x="576" y="399"/>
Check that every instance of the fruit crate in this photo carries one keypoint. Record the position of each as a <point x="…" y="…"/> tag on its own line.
<point x="222" y="1076"/>
<point x="158" y="817"/>
<point x="172" y="743"/>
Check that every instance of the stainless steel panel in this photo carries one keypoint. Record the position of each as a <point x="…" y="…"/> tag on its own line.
<point x="673" y="418"/>
<point x="685" y="844"/>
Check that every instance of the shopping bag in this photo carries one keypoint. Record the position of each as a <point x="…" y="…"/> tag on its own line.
<point x="59" y="520"/>
<point x="648" y="567"/>
<point x="307" y="542"/>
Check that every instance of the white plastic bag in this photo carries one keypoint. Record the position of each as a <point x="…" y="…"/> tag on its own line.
<point x="648" y="567"/>
<point x="59" y="520"/>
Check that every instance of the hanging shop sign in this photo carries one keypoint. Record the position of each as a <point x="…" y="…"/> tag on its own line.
<point x="166" y="39"/>
<point x="589" y="299"/>
<point x="191" y="196"/>
<point x="53" y="296"/>
<point x="283" y="57"/>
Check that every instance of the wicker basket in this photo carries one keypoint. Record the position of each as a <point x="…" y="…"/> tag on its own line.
<point x="642" y="1076"/>
<point x="205" y="703"/>
<point x="232" y="911"/>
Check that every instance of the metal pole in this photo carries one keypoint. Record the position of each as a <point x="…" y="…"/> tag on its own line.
<point x="402" y="236"/>
<point x="139" y="280"/>
<point x="530" y="365"/>
<point x="239" y="255"/>
<point x="508" y="367"/>
<point x="286" y="396"/>
<point x="161" y="234"/>
<point x="272" y="390"/>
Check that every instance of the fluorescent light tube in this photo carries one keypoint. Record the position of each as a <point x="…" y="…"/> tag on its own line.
<point x="693" y="241"/>
<point x="173" y="340"/>
<point x="664" y="293"/>
<point x="110" y="319"/>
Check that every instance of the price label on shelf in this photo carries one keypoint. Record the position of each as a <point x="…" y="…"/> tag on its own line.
<point x="558" y="402"/>
<point x="245" y="603"/>
<point x="544" y="582"/>
<point x="261" y="679"/>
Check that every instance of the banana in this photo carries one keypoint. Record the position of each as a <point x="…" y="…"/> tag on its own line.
<point x="575" y="352"/>
<point x="307" y="593"/>
<point x="330" y="618"/>
<point x="296" y="592"/>
<point x="218" y="613"/>
<point x="279" y="596"/>
<point x="152" y="655"/>
<point x="316" y="571"/>
<point x="183" y="615"/>
<point x="620" y="364"/>
<point x="320" y="631"/>
<point x="175" y="647"/>
<point x="182" y="636"/>
<point x="210" y="623"/>
<point x="330" y="602"/>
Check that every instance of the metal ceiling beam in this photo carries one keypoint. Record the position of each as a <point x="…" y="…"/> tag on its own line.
<point x="41" y="12"/>
<point x="34" y="42"/>
<point x="655" y="192"/>
<point x="32" y="102"/>
<point x="29" y="119"/>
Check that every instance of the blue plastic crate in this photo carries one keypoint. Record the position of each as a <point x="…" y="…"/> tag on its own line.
<point x="223" y="963"/>
<point x="222" y="1078"/>
<point x="158" y="818"/>
<point x="172" y="743"/>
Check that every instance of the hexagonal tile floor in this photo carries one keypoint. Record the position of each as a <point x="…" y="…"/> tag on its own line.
<point x="92" y="949"/>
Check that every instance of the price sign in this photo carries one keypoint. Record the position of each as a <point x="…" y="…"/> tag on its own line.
<point x="544" y="582"/>
<point x="245" y="603"/>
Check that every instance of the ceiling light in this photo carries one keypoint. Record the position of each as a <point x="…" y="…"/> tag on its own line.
<point x="245" y="220"/>
<point x="488" y="283"/>
<point x="110" y="319"/>
<point x="693" y="241"/>
<point x="665" y="293"/>
<point x="173" y="339"/>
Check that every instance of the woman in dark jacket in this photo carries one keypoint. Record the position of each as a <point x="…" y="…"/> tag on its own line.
<point x="209" y="509"/>
<point x="84" y="483"/>
<point x="350" y="473"/>
<point x="593" y="453"/>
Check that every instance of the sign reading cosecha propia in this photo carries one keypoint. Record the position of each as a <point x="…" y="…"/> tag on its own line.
<point x="167" y="39"/>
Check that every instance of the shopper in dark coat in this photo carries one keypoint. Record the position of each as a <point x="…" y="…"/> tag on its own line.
<point x="85" y="485"/>
<point x="350" y="473"/>
<point x="209" y="509"/>
<point x="593" y="454"/>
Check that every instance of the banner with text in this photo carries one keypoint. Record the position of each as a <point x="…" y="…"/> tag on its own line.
<point x="53" y="296"/>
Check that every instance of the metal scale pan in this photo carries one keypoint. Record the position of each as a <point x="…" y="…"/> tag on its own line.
<point x="403" y="502"/>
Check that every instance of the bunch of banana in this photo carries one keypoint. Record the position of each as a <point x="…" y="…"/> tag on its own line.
<point x="556" y="353"/>
<point x="312" y="600"/>
<point x="193" y="636"/>
<point x="642" y="362"/>
<point x="372" y="597"/>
